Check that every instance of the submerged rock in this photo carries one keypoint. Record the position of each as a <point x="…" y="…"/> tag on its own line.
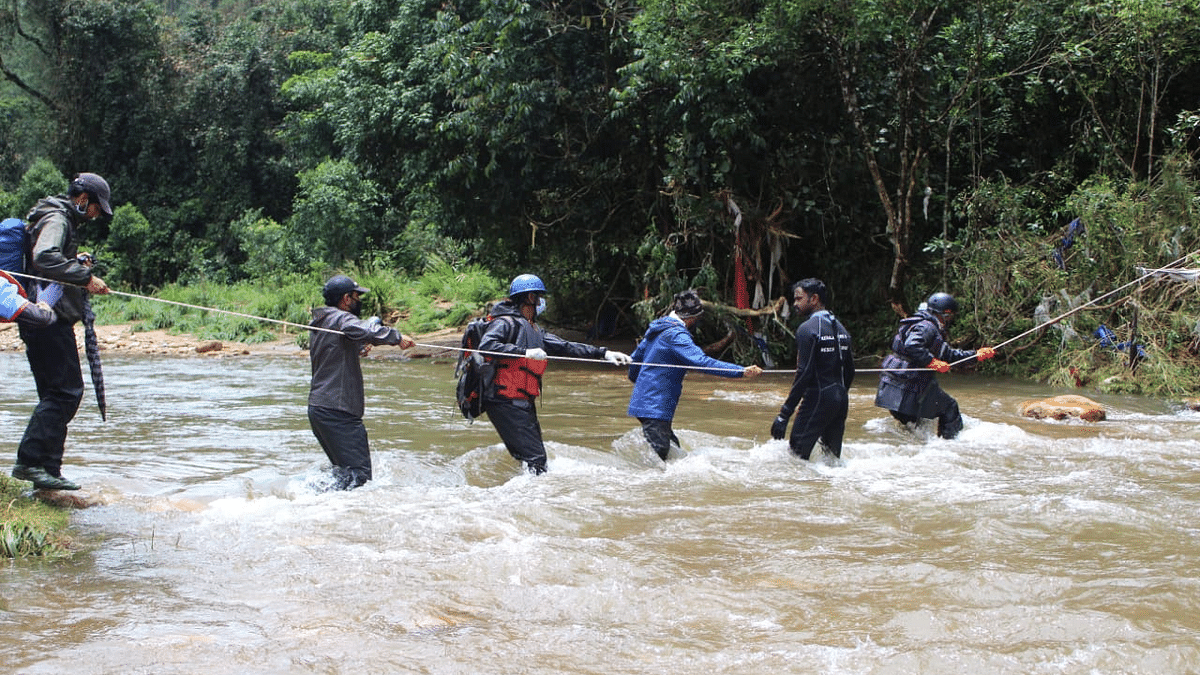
<point x="1062" y="407"/>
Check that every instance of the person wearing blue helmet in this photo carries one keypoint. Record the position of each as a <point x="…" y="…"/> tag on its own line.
<point x="509" y="403"/>
<point x="908" y="388"/>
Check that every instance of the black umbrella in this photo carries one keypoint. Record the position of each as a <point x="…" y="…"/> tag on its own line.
<point x="91" y="346"/>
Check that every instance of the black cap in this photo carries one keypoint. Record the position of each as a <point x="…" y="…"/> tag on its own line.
<point x="687" y="304"/>
<point x="95" y="186"/>
<point x="339" y="285"/>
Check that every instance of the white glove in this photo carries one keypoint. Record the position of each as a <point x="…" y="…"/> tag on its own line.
<point x="374" y="322"/>
<point x="617" y="358"/>
<point x="536" y="354"/>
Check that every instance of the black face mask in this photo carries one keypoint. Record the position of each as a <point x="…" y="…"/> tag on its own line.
<point x="356" y="307"/>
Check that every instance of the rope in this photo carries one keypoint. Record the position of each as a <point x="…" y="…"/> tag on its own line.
<point x="189" y="306"/>
<point x="1148" y="274"/>
<point x="1064" y="315"/>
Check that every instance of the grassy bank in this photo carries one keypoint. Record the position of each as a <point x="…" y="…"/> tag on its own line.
<point x="29" y="526"/>
<point x="440" y="297"/>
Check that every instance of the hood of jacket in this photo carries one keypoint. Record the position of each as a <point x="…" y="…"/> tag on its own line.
<point x="506" y="308"/>
<point x="662" y="324"/>
<point x="59" y="203"/>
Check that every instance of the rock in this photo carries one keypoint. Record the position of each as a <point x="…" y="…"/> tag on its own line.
<point x="205" y="347"/>
<point x="1192" y="403"/>
<point x="1062" y="407"/>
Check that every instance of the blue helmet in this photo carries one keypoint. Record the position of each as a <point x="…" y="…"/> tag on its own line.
<point x="526" y="283"/>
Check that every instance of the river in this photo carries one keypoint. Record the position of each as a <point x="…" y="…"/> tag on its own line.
<point x="1023" y="546"/>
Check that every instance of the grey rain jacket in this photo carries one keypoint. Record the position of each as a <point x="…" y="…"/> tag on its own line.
<point x="337" y="380"/>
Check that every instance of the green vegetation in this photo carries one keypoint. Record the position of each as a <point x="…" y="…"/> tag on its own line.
<point x="626" y="150"/>
<point x="440" y="297"/>
<point x="28" y="526"/>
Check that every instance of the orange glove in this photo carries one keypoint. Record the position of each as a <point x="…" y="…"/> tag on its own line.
<point x="940" y="366"/>
<point x="985" y="353"/>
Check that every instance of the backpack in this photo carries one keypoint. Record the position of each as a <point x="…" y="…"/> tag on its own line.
<point x="475" y="372"/>
<point x="14" y="244"/>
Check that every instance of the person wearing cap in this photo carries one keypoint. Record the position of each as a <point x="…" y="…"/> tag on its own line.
<point x="824" y="373"/>
<point x="908" y="388"/>
<point x="51" y="350"/>
<point x="336" y="400"/>
<point x="660" y="362"/>
<point x="509" y="403"/>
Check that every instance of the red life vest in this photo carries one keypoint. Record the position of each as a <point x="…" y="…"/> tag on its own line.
<point x="519" y="377"/>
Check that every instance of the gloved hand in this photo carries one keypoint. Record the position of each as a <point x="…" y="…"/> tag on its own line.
<point x="939" y="365"/>
<point x="536" y="354"/>
<point x="374" y="322"/>
<point x="779" y="427"/>
<point x="617" y="358"/>
<point x="985" y="353"/>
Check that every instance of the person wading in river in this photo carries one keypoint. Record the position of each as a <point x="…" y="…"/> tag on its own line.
<point x="824" y="372"/>
<point x="336" y="398"/>
<point x="656" y="390"/>
<point x="51" y="350"/>
<point x="513" y="329"/>
<point x="907" y="388"/>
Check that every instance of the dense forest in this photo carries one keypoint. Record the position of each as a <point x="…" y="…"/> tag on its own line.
<point x="626" y="150"/>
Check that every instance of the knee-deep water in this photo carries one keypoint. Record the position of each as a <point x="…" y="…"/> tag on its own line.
<point x="1021" y="547"/>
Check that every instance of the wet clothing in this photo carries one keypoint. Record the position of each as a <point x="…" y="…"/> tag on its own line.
<point x="51" y="350"/>
<point x="335" y="399"/>
<point x="14" y="306"/>
<point x="912" y="395"/>
<point x="656" y="391"/>
<point x="510" y="403"/>
<point x="824" y="373"/>
<point x="660" y="436"/>
<point x="54" y="360"/>
<point x="52" y="227"/>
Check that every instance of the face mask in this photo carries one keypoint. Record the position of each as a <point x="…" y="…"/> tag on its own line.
<point x="541" y="306"/>
<point x="356" y="307"/>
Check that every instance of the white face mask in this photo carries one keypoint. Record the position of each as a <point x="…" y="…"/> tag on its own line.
<point x="541" y="306"/>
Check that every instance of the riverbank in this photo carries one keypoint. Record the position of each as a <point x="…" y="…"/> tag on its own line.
<point x="123" y="338"/>
<point x="29" y="524"/>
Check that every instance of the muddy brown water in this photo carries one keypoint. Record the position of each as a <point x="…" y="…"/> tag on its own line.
<point x="1021" y="547"/>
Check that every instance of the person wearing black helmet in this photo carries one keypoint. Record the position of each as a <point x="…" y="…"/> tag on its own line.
<point x="51" y="350"/>
<point x="908" y="388"/>
<point x="509" y="403"/>
<point x="336" y="398"/>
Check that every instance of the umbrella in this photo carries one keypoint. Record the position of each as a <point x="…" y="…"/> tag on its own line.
<point x="91" y="346"/>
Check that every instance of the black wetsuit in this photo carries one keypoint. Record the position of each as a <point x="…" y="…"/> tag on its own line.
<point x="912" y="395"/>
<point x="824" y="372"/>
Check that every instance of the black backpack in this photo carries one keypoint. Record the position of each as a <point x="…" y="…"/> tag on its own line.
<point x="474" y="371"/>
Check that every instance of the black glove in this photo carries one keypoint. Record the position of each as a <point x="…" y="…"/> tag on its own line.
<point x="779" y="427"/>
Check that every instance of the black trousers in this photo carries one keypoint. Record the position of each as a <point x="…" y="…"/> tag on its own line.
<point x="659" y="435"/>
<point x="343" y="437"/>
<point x="54" y="360"/>
<point x="821" y="416"/>
<point x="937" y="403"/>
<point x="518" y="426"/>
